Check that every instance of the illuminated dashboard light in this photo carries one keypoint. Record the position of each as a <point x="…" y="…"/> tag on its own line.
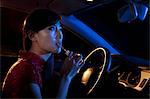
<point x="89" y="0"/>
<point x="86" y="76"/>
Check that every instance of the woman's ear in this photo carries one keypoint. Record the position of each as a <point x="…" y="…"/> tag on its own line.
<point x="32" y="36"/>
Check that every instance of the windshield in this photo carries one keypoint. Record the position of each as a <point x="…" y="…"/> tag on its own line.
<point x="129" y="38"/>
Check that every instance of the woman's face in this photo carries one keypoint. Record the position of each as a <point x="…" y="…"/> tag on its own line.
<point x="50" y="38"/>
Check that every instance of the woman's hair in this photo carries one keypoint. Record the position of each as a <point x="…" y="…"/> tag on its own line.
<point x="36" y="21"/>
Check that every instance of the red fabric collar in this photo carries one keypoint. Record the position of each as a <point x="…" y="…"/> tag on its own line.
<point x="32" y="57"/>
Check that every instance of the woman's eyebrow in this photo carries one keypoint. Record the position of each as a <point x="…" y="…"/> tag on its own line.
<point x="51" y="26"/>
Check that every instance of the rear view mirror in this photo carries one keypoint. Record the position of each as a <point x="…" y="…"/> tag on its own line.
<point x="142" y="11"/>
<point x="127" y="13"/>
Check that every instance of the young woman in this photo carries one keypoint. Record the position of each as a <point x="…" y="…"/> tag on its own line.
<point x="42" y="33"/>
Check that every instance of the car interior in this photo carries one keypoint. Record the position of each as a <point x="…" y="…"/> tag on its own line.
<point x="112" y="35"/>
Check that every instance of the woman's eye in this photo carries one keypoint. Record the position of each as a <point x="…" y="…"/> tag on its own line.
<point x="51" y="28"/>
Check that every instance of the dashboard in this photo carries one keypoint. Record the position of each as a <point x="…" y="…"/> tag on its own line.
<point x="136" y="79"/>
<point x="130" y="76"/>
<point x="124" y="79"/>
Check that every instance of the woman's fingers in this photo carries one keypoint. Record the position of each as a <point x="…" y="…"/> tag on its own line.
<point x="70" y="55"/>
<point x="78" y="60"/>
<point x="75" y="61"/>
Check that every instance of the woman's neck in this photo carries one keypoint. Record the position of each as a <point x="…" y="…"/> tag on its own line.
<point x="44" y="56"/>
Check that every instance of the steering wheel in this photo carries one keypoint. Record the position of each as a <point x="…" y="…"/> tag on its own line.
<point x="97" y="64"/>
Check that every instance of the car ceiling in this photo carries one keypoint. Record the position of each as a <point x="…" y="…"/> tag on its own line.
<point x="59" y="6"/>
<point x="100" y="15"/>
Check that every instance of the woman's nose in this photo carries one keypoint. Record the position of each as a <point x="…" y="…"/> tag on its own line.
<point x="59" y="34"/>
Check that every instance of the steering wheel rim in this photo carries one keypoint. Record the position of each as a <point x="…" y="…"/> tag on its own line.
<point x="105" y="67"/>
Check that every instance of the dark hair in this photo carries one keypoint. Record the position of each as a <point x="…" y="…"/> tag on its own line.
<point x="36" y="21"/>
<point x="39" y="19"/>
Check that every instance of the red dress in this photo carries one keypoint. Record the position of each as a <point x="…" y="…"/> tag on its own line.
<point x="28" y="69"/>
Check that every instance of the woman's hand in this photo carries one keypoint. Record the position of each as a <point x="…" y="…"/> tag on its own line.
<point x="69" y="69"/>
<point x="71" y="65"/>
